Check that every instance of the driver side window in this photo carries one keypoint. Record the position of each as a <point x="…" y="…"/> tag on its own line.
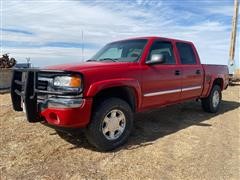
<point x="164" y="48"/>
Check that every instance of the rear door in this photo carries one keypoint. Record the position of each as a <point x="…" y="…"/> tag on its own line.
<point x="161" y="82"/>
<point x="191" y="69"/>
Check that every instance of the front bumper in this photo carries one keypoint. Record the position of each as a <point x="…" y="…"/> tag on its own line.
<point x="60" y="102"/>
<point x="77" y="117"/>
<point x="64" y="109"/>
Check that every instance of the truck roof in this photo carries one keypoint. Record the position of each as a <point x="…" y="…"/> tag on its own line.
<point x="155" y="37"/>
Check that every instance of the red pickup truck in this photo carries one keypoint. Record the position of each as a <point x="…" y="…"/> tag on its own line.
<point x="124" y="77"/>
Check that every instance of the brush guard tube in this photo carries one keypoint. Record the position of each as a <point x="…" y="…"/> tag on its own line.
<point x="24" y="89"/>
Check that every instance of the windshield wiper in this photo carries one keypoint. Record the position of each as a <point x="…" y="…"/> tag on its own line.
<point x="90" y="60"/>
<point x="108" y="59"/>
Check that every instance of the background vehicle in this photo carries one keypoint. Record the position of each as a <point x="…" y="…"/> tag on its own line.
<point x="124" y="77"/>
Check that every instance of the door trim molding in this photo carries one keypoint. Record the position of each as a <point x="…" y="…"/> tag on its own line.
<point x="172" y="91"/>
<point x="162" y="92"/>
<point x="191" y="88"/>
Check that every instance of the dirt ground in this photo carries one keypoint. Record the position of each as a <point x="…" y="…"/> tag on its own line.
<point x="177" y="142"/>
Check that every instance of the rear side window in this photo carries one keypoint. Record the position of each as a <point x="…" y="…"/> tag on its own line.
<point x="186" y="53"/>
<point x="165" y="48"/>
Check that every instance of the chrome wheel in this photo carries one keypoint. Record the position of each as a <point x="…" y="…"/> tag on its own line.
<point x="216" y="99"/>
<point x="114" y="124"/>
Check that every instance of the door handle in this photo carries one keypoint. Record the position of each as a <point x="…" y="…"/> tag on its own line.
<point x="177" y="72"/>
<point x="198" y="71"/>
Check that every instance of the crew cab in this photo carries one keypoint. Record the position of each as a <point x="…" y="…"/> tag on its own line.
<point x="124" y="77"/>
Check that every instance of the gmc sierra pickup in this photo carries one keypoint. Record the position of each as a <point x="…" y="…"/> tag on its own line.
<point x="124" y="77"/>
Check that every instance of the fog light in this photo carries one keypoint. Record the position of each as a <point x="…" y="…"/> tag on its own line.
<point x="54" y="118"/>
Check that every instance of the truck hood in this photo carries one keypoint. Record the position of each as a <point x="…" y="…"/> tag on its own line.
<point x="86" y="66"/>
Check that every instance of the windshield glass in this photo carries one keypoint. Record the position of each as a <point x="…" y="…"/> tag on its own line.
<point x="121" y="51"/>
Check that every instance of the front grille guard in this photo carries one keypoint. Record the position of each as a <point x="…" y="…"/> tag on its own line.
<point x="24" y="89"/>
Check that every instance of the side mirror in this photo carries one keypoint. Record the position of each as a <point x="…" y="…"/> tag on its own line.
<point x="156" y="59"/>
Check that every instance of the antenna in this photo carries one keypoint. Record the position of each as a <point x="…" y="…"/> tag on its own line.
<point x="82" y="47"/>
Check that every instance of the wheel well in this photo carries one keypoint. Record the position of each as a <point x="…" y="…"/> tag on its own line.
<point x="125" y="93"/>
<point x="218" y="81"/>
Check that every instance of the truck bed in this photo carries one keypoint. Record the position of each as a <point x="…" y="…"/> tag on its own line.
<point x="216" y="71"/>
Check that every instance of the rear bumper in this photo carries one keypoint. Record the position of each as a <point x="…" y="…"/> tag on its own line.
<point x="69" y="117"/>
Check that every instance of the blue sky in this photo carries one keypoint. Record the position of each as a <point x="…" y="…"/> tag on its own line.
<point x="50" y="32"/>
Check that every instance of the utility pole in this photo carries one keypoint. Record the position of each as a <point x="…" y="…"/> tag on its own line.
<point x="1" y="26"/>
<point x="233" y="38"/>
<point x="28" y="61"/>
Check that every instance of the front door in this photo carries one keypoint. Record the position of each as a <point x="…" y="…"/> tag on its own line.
<point x="161" y="82"/>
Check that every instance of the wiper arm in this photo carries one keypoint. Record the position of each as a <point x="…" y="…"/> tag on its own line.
<point x="90" y="60"/>
<point x="108" y="59"/>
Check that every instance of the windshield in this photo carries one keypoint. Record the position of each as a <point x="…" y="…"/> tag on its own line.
<point x="121" y="51"/>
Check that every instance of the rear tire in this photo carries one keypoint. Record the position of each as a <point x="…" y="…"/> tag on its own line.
<point x="211" y="103"/>
<point x="111" y="124"/>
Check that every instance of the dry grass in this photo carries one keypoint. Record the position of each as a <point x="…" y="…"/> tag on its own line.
<point x="178" y="142"/>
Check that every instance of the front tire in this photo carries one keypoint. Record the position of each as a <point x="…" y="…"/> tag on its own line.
<point x="212" y="102"/>
<point x="111" y="124"/>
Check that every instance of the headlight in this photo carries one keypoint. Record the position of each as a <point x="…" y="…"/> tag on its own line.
<point x="68" y="82"/>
